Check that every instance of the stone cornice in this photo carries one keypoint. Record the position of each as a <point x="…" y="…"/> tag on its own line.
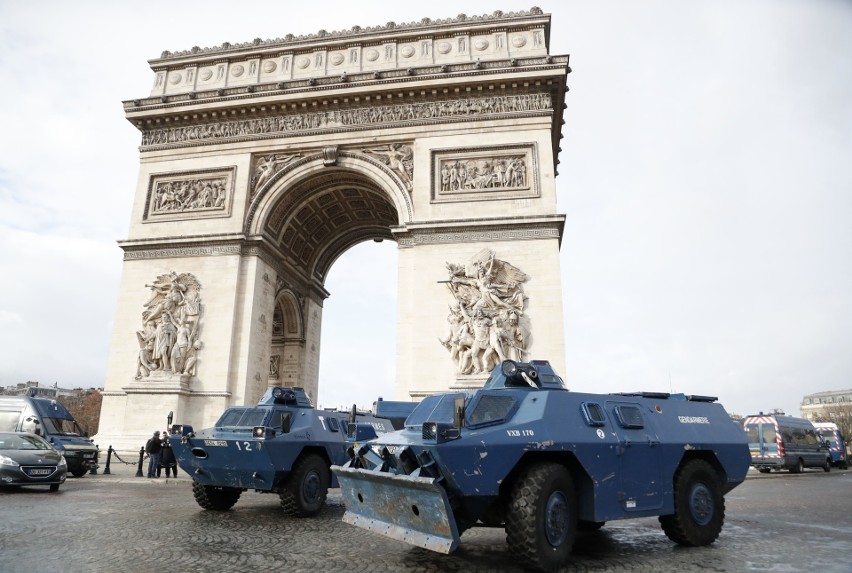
<point x="479" y="230"/>
<point x="219" y="245"/>
<point x="359" y="34"/>
<point x="225" y="241"/>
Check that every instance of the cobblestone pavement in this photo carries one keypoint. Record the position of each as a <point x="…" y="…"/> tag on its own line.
<point x="778" y="522"/>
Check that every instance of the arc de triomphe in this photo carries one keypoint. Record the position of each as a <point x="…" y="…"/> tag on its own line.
<point x="261" y="163"/>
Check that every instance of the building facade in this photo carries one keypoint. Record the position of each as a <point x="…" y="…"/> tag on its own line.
<point x="822" y="405"/>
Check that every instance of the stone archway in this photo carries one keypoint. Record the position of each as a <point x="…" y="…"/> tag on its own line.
<point x="261" y="163"/>
<point x="309" y="213"/>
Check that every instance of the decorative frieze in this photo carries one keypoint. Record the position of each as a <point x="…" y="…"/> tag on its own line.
<point x="285" y="125"/>
<point x="177" y="252"/>
<point x="190" y="195"/>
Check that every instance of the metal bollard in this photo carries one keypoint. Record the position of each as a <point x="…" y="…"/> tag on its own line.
<point x="109" y="455"/>
<point x="94" y="470"/>
<point x="141" y="455"/>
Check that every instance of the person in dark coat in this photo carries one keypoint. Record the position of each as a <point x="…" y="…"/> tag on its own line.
<point x="167" y="457"/>
<point x="153" y="449"/>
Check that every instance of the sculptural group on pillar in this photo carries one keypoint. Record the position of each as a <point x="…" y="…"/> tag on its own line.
<point x="168" y="340"/>
<point x="487" y="322"/>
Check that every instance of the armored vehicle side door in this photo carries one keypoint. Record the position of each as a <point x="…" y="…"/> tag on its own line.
<point x="640" y="471"/>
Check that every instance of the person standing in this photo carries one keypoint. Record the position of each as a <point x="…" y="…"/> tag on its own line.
<point x="167" y="456"/>
<point x="153" y="449"/>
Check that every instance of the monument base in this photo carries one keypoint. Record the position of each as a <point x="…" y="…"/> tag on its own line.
<point x="160" y="382"/>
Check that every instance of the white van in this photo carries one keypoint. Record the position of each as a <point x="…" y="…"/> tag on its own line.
<point x="50" y="420"/>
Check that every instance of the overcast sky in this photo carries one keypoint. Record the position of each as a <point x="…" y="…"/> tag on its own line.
<point x="706" y="176"/>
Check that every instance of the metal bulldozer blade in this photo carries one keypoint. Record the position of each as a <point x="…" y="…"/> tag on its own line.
<point x="415" y="510"/>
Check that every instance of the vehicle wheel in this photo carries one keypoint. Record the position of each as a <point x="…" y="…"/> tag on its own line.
<point x="541" y="520"/>
<point x="54" y="487"/>
<point x="214" y="497"/>
<point x="306" y="488"/>
<point x="764" y="470"/>
<point x="586" y="526"/>
<point x="699" y="505"/>
<point x="827" y="467"/>
<point x="799" y="468"/>
<point x="79" y="472"/>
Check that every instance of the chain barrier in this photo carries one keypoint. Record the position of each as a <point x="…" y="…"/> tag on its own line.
<point x="118" y="457"/>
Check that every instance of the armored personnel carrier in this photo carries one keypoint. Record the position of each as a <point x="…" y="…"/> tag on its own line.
<point x="282" y="445"/>
<point x="525" y="454"/>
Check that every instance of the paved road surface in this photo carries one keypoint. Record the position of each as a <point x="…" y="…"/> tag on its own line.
<point x="118" y="522"/>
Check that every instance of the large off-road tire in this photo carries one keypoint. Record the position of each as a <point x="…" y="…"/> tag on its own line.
<point x="541" y="520"/>
<point x="214" y="497"/>
<point x="79" y="472"/>
<point x="699" y="505"/>
<point x="305" y="491"/>
<point x="827" y="466"/>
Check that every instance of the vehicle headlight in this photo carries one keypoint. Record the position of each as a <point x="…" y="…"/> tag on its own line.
<point x="62" y="462"/>
<point x="7" y="461"/>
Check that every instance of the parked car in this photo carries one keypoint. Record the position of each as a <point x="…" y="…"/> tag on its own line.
<point x="27" y="459"/>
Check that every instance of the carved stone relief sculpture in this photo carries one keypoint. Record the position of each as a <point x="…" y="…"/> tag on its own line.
<point x="189" y="195"/>
<point x="508" y="172"/>
<point x="487" y="322"/>
<point x="168" y="340"/>
<point x="366" y="117"/>
<point x="266" y="166"/>
<point x="399" y="157"/>
<point x="473" y="174"/>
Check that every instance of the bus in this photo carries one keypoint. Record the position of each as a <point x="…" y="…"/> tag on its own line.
<point x="785" y="443"/>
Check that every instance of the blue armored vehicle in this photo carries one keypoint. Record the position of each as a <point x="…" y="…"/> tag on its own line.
<point x="525" y="454"/>
<point x="282" y="445"/>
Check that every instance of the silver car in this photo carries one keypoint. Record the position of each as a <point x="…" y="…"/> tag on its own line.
<point x="27" y="459"/>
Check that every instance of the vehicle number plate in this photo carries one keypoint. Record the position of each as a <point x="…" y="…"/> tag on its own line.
<point x="220" y="443"/>
<point x="89" y="455"/>
<point x="40" y="471"/>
